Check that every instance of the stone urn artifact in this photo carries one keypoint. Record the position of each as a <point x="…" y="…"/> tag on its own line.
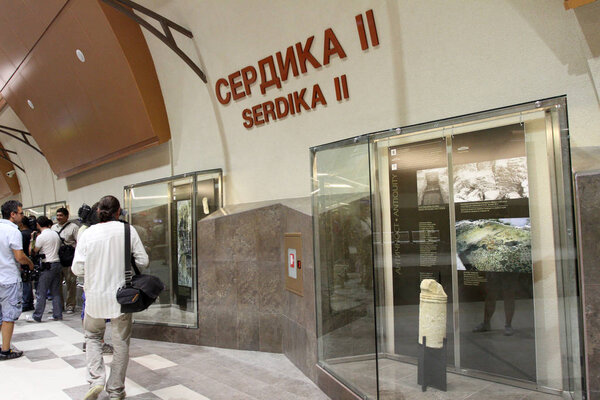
<point x="432" y="314"/>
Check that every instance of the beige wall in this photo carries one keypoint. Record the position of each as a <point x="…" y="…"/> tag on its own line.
<point x="436" y="59"/>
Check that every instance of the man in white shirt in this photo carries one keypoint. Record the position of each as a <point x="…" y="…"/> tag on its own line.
<point x="68" y="232"/>
<point x="47" y="243"/>
<point x="99" y="257"/>
<point x="11" y="286"/>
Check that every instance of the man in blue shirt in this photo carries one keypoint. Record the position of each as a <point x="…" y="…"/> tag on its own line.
<point x="11" y="287"/>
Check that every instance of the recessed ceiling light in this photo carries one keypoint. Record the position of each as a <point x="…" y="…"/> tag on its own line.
<point x="80" y="55"/>
<point x="30" y="104"/>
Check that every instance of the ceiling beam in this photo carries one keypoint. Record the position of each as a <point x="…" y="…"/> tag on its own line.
<point x="125" y="6"/>
<point x="570" y="4"/>
<point x="23" y="138"/>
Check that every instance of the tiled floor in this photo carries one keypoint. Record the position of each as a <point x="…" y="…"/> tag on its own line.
<point x="398" y="381"/>
<point x="53" y="367"/>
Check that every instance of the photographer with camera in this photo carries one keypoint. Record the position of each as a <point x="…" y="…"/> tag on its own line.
<point x="47" y="244"/>
<point x="27" y="226"/>
<point x="67" y="231"/>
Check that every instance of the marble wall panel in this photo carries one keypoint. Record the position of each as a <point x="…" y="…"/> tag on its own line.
<point x="334" y="388"/>
<point x="587" y="198"/>
<point x="227" y="335"/>
<point x="269" y="233"/>
<point x="248" y="328"/>
<point x="271" y="287"/>
<point x="242" y="300"/>
<point x="206" y="238"/>
<point x="207" y="326"/>
<point x="223" y="239"/>
<point x="248" y="282"/>
<point x="244" y="240"/>
<point x="270" y="333"/>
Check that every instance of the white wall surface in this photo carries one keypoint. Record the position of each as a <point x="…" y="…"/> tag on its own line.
<point x="436" y="59"/>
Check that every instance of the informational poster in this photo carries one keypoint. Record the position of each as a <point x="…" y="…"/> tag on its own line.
<point x="493" y="252"/>
<point x="420" y="228"/>
<point x="184" y="243"/>
<point x="491" y="195"/>
<point x="419" y="212"/>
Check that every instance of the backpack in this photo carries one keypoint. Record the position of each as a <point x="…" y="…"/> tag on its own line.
<point x="65" y="252"/>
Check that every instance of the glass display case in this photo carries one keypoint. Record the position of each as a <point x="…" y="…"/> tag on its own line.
<point x="165" y="213"/>
<point x="482" y="205"/>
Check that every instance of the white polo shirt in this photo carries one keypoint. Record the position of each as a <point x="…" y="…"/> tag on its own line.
<point x="100" y="258"/>
<point x="10" y="239"/>
<point x="48" y="243"/>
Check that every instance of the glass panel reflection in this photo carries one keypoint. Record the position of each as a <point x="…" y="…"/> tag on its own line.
<point x="165" y="214"/>
<point x="344" y="266"/>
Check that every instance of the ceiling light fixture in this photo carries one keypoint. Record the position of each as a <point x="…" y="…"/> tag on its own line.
<point x="30" y="104"/>
<point x="80" y="55"/>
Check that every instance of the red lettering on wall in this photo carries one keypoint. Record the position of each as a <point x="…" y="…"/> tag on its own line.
<point x="279" y="102"/>
<point x="247" y="116"/>
<point x="257" y="114"/>
<point x="317" y="97"/>
<point x="236" y="85"/>
<point x="269" y="110"/>
<point x="222" y="100"/>
<point x="305" y="55"/>
<point x="331" y="46"/>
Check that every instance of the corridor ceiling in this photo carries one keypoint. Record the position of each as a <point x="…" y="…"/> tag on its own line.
<point x="80" y="76"/>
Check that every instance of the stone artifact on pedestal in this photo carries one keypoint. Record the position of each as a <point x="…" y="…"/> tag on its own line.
<point x="432" y="335"/>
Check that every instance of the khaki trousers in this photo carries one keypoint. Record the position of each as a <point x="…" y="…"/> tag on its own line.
<point x="71" y="282"/>
<point x="121" y="334"/>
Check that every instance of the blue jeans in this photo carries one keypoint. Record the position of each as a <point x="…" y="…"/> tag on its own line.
<point x="49" y="279"/>
<point x="11" y="300"/>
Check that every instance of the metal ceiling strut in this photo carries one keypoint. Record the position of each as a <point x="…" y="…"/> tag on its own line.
<point x="22" y="139"/>
<point x="166" y="24"/>
<point x="4" y="154"/>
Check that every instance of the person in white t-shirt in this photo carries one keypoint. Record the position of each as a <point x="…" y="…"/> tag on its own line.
<point x="11" y="287"/>
<point x="47" y="243"/>
<point x="100" y="258"/>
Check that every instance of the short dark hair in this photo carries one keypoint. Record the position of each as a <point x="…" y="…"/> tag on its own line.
<point x="9" y="207"/>
<point x="64" y="211"/>
<point x="44" y="221"/>
<point x="107" y="207"/>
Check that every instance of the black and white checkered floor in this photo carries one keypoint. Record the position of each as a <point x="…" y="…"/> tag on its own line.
<point x="53" y="367"/>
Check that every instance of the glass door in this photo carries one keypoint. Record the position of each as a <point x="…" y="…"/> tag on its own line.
<point x="165" y="213"/>
<point x="481" y="205"/>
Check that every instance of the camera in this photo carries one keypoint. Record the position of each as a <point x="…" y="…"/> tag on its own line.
<point x="28" y="275"/>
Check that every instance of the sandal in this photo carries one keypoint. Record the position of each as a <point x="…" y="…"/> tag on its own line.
<point x="11" y="355"/>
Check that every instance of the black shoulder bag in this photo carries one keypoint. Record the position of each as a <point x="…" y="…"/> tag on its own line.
<point x="140" y="290"/>
<point x="65" y="251"/>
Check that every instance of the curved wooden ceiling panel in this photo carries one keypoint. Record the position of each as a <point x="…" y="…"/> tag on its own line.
<point x="88" y="113"/>
<point x="22" y="23"/>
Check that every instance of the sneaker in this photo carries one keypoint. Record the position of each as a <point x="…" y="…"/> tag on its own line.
<point x="94" y="392"/>
<point x="51" y="318"/>
<point x="69" y="310"/>
<point x="11" y="355"/>
<point x="508" y="330"/>
<point x="482" y="327"/>
<point x="107" y="349"/>
<point x="29" y="318"/>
